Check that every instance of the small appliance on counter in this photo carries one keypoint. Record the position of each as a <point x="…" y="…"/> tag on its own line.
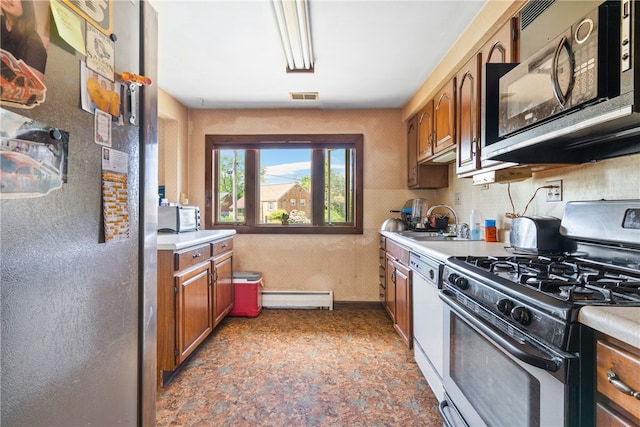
<point x="536" y="235"/>
<point x="178" y="219"/>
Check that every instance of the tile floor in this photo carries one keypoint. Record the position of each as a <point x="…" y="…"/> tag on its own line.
<point x="345" y="367"/>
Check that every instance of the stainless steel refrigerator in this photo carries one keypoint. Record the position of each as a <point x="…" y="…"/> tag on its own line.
<point x="78" y="310"/>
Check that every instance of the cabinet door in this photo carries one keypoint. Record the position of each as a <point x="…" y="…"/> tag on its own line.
<point x="502" y="47"/>
<point x="223" y="287"/>
<point x="468" y="116"/>
<point x="194" y="320"/>
<point x="403" y="304"/>
<point x="444" y="118"/>
<point x="412" y="152"/>
<point x="390" y="295"/>
<point x="425" y="132"/>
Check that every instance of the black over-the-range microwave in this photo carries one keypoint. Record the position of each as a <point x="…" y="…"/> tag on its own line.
<point x="575" y="96"/>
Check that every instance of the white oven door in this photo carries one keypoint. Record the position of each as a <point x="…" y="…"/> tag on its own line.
<point x="490" y="387"/>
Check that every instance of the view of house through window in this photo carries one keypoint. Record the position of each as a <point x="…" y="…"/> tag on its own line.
<point x="258" y="184"/>
<point x="285" y="186"/>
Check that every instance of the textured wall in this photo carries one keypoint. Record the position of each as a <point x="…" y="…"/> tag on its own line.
<point x="348" y="264"/>
<point x="345" y="264"/>
<point x="610" y="179"/>
<point x="173" y="145"/>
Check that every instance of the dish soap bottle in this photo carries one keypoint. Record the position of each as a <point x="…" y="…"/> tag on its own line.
<point x="474" y="225"/>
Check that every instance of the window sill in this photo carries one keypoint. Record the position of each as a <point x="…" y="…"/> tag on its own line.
<point x="290" y="229"/>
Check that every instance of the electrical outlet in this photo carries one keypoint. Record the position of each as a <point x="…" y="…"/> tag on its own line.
<point x="457" y="199"/>
<point x="554" y="194"/>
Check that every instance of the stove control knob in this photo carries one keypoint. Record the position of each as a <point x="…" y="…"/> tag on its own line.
<point x="505" y="306"/>
<point x="452" y="278"/>
<point x="461" y="283"/>
<point x="521" y="315"/>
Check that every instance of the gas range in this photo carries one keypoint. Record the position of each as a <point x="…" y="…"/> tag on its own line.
<point x="541" y="295"/>
<point x="565" y="278"/>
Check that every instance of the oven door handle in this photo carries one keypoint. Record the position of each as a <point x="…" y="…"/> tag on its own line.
<point x="517" y="349"/>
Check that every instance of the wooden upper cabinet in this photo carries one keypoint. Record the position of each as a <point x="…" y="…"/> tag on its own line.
<point x="425" y="132"/>
<point x="421" y="175"/>
<point x="412" y="152"/>
<point x="468" y="116"/>
<point x="501" y="48"/>
<point x="444" y="118"/>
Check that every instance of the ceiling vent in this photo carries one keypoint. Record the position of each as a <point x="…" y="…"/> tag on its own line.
<point x="303" y="96"/>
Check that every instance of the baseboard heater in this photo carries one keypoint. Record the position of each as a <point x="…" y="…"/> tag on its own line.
<point x="298" y="299"/>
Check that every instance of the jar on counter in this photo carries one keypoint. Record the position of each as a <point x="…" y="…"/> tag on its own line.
<point x="490" y="231"/>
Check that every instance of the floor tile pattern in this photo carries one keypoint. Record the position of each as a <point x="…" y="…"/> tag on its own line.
<point x="345" y="367"/>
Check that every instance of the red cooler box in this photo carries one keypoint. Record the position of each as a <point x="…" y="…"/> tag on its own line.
<point x="247" y="288"/>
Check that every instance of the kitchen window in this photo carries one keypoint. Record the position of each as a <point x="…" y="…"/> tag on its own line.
<point x="296" y="184"/>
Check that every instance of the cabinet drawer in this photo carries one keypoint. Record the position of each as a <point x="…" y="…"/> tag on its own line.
<point x="398" y="252"/>
<point x="625" y="365"/>
<point x="192" y="256"/>
<point x="221" y="246"/>
<point x="381" y="242"/>
<point x="606" y="417"/>
<point x="382" y="256"/>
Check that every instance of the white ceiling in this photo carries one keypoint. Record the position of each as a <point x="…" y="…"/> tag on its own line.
<point x="368" y="53"/>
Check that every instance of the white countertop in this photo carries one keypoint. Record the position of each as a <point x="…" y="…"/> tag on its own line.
<point x="441" y="250"/>
<point x="173" y="241"/>
<point x="622" y="323"/>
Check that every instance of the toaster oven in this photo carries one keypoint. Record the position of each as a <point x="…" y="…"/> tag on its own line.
<point x="178" y="219"/>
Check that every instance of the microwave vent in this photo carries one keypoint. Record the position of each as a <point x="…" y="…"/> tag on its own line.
<point x="532" y="10"/>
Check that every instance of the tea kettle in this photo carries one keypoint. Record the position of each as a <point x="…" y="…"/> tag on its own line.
<point x="393" y="224"/>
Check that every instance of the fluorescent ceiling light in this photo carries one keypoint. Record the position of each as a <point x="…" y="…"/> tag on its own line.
<point x="292" y="17"/>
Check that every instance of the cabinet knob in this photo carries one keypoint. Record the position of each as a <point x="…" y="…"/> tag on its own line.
<point x="198" y="255"/>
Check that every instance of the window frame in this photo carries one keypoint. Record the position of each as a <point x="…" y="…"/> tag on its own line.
<point x="213" y="143"/>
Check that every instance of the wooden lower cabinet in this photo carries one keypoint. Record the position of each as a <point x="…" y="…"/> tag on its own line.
<point x="382" y="271"/>
<point x="195" y="292"/>
<point x="194" y="320"/>
<point x="390" y="295"/>
<point x="398" y="290"/>
<point x="223" y="277"/>
<point x="617" y="376"/>
<point x="403" y="304"/>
